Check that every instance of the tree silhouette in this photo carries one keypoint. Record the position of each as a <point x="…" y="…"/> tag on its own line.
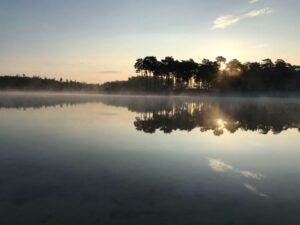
<point x="221" y="76"/>
<point x="173" y="76"/>
<point x="36" y="83"/>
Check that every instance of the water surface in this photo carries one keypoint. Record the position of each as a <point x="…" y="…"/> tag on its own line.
<point x="80" y="159"/>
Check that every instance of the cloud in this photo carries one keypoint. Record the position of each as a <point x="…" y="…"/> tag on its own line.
<point x="253" y="1"/>
<point x="254" y="190"/>
<point x="219" y="166"/>
<point x="259" y="12"/>
<point x="249" y="174"/>
<point x="225" y="21"/>
<point x="222" y="167"/>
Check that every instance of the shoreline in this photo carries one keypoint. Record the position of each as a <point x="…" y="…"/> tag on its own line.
<point x="153" y="94"/>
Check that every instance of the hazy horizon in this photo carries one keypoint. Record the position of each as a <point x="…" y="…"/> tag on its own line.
<point x="97" y="41"/>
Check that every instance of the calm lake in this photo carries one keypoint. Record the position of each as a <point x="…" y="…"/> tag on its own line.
<point x="120" y="160"/>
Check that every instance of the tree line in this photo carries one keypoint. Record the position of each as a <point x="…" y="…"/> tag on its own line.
<point x="36" y="83"/>
<point x="218" y="75"/>
<point x="170" y="75"/>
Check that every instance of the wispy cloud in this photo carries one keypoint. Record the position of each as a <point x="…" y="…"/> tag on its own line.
<point x="254" y="190"/>
<point x="222" y="167"/>
<point x="253" y="1"/>
<point x="249" y="174"/>
<point x="259" y="12"/>
<point x="225" y="21"/>
<point x="219" y="165"/>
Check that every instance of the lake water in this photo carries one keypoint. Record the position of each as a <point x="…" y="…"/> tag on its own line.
<point x="80" y="159"/>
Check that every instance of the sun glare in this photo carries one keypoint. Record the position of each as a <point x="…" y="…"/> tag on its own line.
<point x="221" y="123"/>
<point x="223" y="66"/>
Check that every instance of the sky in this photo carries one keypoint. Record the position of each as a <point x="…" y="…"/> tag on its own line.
<point x="99" y="40"/>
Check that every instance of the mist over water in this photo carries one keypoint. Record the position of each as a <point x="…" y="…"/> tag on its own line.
<point x="96" y="159"/>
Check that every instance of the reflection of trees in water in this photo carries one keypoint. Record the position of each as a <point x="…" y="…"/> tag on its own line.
<point x="37" y="101"/>
<point x="218" y="117"/>
<point x="169" y="114"/>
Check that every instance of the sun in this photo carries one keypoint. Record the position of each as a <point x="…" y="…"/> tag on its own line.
<point x="220" y="122"/>
<point x="223" y="66"/>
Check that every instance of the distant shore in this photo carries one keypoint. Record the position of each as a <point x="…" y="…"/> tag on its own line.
<point x="135" y="86"/>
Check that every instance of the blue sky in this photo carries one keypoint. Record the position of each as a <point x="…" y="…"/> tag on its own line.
<point x="96" y="41"/>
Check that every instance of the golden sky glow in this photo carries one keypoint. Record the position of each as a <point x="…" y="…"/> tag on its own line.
<point x="97" y="41"/>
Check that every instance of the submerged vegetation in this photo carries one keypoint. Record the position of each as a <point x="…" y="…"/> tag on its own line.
<point x="170" y="74"/>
